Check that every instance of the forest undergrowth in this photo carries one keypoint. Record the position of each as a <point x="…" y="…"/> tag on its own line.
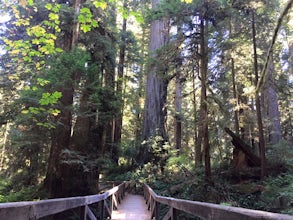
<point x="229" y="186"/>
<point x="179" y="179"/>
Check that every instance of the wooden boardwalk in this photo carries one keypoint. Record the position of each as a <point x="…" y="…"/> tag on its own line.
<point x="133" y="207"/>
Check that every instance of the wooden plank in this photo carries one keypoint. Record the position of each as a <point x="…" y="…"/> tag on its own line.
<point x="102" y="209"/>
<point x="53" y="206"/>
<point x="153" y="208"/>
<point x="16" y="213"/>
<point x="83" y="212"/>
<point x="90" y="214"/>
<point x="132" y="208"/>
<point x="169" y="214"/>
<point x="114" y="201"/>
<point x="106" y="208"/>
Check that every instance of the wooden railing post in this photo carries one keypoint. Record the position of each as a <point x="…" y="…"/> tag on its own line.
<point x="175" y="214"/>
<point x="112" y="204"/>
<point x="83" y="211"/>
<point x="102" y="209"/>
<point x="156" y="210"/>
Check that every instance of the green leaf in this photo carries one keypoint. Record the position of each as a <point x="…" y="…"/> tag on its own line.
<point x="57" y="95"/>
<point x="53" y="16"/>
<point x="94" y="23"/>
<point x="85" y="28"/>
<point x="30" y="2"/>
<point x="81" y="18"/>
<point x="58" y="50"/>
<point x="46" y="125"/>
<point x="138" y="16"/>
<point x="49" y="6"/>
<point x="34" y="110"/>
<point x="25" y="112"/>
<point x="100" y="4"/>
<point x="56" y="9"/>
<point x="85" y="11"/>
<point x="48" y="98"/>
<point x="42" y="82"/>
<point x="54" y="112"/>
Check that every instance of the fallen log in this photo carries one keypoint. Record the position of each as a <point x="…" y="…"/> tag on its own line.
<point x="245" y="148"/>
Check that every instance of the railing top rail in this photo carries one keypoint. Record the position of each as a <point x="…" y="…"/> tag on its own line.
<point x="215" y="211"/>
<point x="38" y="209"/>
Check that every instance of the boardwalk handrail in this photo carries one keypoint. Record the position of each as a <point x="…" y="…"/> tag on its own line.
<point x="43" y="208"/>
<point x="203" y="210"/>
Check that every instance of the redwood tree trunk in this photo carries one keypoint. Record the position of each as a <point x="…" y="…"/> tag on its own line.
<point x="197" y="130"/>
<point x="119" y="90"/>
<point x="272" y="107"/>
<point x="235" y="97"/>
<point x="108" y="125"/>
<point x="204" y="130"/>
<point x="57" y="177"/>
<point x="178" y="111"/>
<point x="156" y="88"/>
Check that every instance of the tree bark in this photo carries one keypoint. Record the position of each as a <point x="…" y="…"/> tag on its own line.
<point x="119" y="87"/>
<point x="56" y="181"/>
<point x="178" y="96"/>
<point x="156" y="88"/>
<point x="3" y="150"/>
<point x="235" y="96"/>
<point x="272" y="107"/>
<point x="245" y="148"/>
<point x="178" y="112"/>
<point x="203" y="70"/>
<point x="75" y="30"/>
<point x="258" y="105"/>
<point x="81" y="143"/>
<point x="108" y="124"/>
<point x="197" y="137"/>
<point x="79" y="140"/>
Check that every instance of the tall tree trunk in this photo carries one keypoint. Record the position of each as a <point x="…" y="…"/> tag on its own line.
<point x="197" y="131"/>
<point x="108" y="125"/>
<point x="271" y="106"/>
<point x="75" y="30"/>
<point x="156" y="88"/>
<point x="81" y="143"/>
<point x="119" y="90"/>
<point x="258" y="105"/>
<point x="178" y="96"/>
<point x="140" y="90"/>
<point x="3" y="150"/>
<point x="234" y="85"/>
<point x="57" y="175"/>
<point x="203" y="71"/>
<point x="178" y="111"/>
<point x="55" y="178"/>
<point x="239" y="158"/>
<point x="289" y="131"/>
<point x="235" y="97"/>
<point x="79" y="140"/>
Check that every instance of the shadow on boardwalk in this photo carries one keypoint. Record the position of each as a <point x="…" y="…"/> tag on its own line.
<point x="133" y="207"/>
